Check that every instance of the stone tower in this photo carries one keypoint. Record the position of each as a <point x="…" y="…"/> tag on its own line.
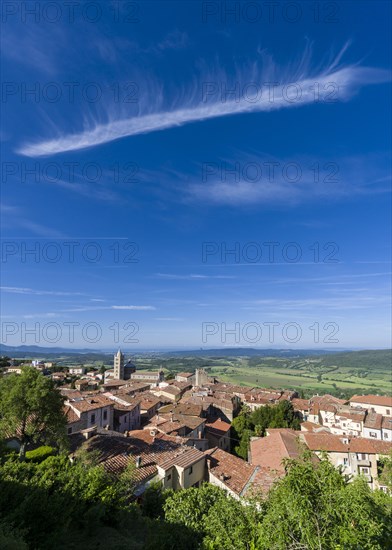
<point x="201" y="377"/>
<point x="118" y="366"/>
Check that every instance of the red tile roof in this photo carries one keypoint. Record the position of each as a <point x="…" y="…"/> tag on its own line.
<point x="373" y="420"/>
<point x="116" y="452"/>
<point x="218" y="428"/>
<point x="183" y="458"/>
<point x="300" y="404"/>
<point x="387" y="422"/>
<point x="270" y="451"/>
<point x="381" y="400"/>
<point x="334" y="443"/>
<point x="89" y="402"/>
<point x="230" y="470"/>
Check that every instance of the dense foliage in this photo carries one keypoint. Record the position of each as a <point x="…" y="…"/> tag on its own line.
<point x="248" y="424"/>
<point x="59" y="504"/>
<point x="32" y="409"/>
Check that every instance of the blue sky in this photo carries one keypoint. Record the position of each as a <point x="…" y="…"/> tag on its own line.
<point x="143" y="141"/>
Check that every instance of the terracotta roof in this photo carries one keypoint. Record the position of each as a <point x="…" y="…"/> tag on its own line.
<point x="218" y="428"/>
<point x="264" y="479"/>
<point x="232" y="471"/>
<point x="149" y="374"/>
<point x="269" y="451"/>
<point x="190" y="409"/>
<point x="185" y="374"/>
<point x="172" y="390"/>
<point x="373" y="420"/>
<point x="183" y="458"/>
<point x="327" y="399"/>
<point x="70" y="414"/>
<point x="89" y="403"/>
<point x="387" y="422"/>
<point x="116" y="452"/>
<point x="148" y="401"/>
<point x="346" y="412"/>
<point x="334" y="443"/>
<point x="169" y="423"/>
<point x="381" y="400"/>
<point x="300" y="404"/>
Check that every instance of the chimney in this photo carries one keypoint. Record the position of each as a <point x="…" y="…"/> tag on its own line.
<point x="89" y="432"/>
<point x="138" y="461"/>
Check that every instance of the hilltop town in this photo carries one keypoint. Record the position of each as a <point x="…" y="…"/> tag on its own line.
<point x="185" y="431"/>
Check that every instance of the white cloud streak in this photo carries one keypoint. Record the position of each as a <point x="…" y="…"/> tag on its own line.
<point x="261" y="90"/>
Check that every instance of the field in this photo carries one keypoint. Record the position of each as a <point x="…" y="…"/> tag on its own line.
<point x="342" y="374"/>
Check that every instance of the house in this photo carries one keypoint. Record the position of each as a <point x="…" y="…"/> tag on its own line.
<point x="301" y="406"/>
<point x="342" y="419"/>
<point x="236" y="476"/>
<point x="261" y="398"/>
<point x="126" y="417"/>
<point x="82" y="384"/>
<point x="372" y="427"/>
<point x="157" y="457"/>
<point x="154" y="377"/>
<point x="128" y="387"/>
<point x="78" y="371"/>
<point x="13" y="370"/>
<point x="355" y="456"/>
<point x="271" y="450"/>
<point x="218" y="434"/>
<point x="189" y="409"/>
<point x="178" y="424"/>
<point x="182" y="469"/>
<point x="126" y="412"/>
<point x="87" y="410"/>
<point x="149" y="404"/>
<point x="386" y="428"/>
<point x="58" y="376"/>
<point x="172" y="393"/>
<point x="381" y="404"/>
<point x="185" y="377"/>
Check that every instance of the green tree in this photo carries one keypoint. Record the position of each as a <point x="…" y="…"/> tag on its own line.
<point x="315" y="508"/>
<point x="385" y="471"/>
<point x="191" y="506"/>
<point x="31" y="409"/>
<point x="230" y="525"/>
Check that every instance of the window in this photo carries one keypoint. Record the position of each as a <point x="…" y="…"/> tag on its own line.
<point x="388" y="412"/>
<point x="105" y="415"/>
<point x="386" y="435"/>
<point x="364" y="471"/>
<point x="372" y="434"/>
<point x="190" y="470"/>
<point x="69" y="430"/>
<point x="361" y="456"/>
<point x="345" y="461"/>
<point x="169" y="477"/>
<point x="92" y="418"/>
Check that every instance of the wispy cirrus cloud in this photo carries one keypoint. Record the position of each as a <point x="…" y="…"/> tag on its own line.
<point x="203" y="100"/>
<point x="192" y="277"/>
<point x="16" y="218"/>
<point x="31" y="291"/>
<point x="134" y="308"/>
